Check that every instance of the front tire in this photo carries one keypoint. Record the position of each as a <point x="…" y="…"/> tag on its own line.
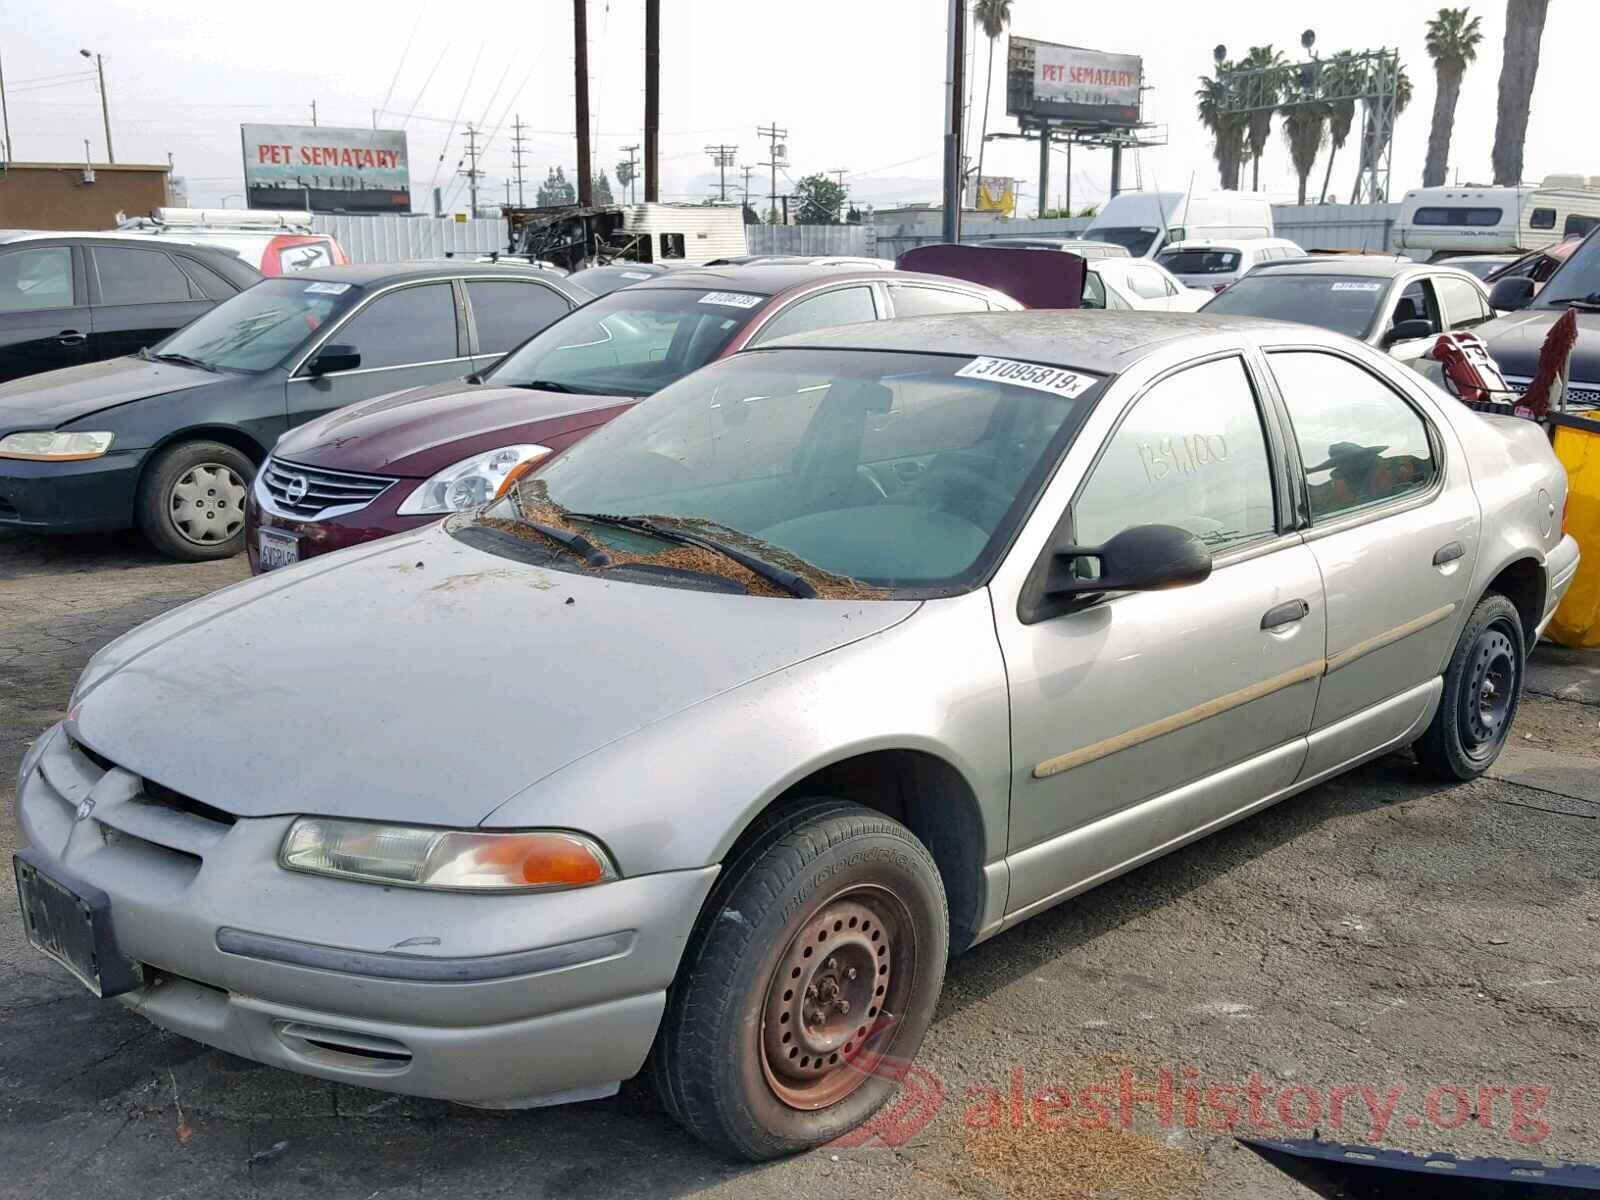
<point x="191" y="503"/>
<point x="1482" y="688"/>
<point x="824" y="940"/>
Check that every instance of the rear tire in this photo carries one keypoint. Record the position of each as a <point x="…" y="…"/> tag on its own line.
<point x="825" y="939"/>
<point x="1482" y="689"/>
<point x="191" y="501"/>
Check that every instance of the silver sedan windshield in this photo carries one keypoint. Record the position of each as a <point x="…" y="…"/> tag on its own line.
<point x="897" y="470"/>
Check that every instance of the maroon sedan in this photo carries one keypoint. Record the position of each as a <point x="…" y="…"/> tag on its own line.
<point x="410" y="458"/>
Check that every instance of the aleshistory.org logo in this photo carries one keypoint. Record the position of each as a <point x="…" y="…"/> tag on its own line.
<point x="1183" y="1098"/>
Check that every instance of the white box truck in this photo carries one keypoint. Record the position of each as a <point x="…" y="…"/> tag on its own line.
<point x="1145" y="222"/>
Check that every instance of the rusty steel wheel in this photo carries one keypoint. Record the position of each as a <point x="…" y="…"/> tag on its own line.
<point x="808" y="984"/>
<point x="834" y="997"/>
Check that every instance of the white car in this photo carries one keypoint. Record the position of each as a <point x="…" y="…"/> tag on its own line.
<point x="1138" y="283"/>
<point x="1213" y="263"/>
<point x="274" y="243"/>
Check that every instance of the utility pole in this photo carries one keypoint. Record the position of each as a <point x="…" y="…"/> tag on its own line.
<point x="777" y="156"/>
<point x="313" y="114"/>
<point x="652" y="101"/>
<point x="472" y="173"/>
<point x="633" y="171"/>
<point x="1044" y="168"/>
<point x="723" y="155"/>
<point x="508" y="193"/>
<point x="105" y="104"/>
<point x="517" y="141"/>
<point x="4" y="113"/>
<point x="746" y="170"/>
<point x="580" y="66"/>
<point x="955" y="70"/>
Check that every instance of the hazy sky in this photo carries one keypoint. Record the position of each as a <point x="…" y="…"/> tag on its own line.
<point x="859" y="84"/>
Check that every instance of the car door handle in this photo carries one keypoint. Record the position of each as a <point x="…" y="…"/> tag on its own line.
<point x="71" y="337"/>
<point x="1285" y="614"/>
<point x="1448" y="554"/>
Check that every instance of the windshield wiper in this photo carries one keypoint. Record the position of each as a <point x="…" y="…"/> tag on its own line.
<point x="787" y="580"/>
<point x="545" y="385"/>
<point x="1591" y="302"/>
<point x="574" y="542"/>
<point x="181" y="359"/>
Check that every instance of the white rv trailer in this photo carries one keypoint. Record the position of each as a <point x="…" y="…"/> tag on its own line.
<point x="691" y="234"/>
<point x="1497" y="220"/>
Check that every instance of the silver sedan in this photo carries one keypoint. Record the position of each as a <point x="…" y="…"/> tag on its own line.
<point x="701" y="748"/>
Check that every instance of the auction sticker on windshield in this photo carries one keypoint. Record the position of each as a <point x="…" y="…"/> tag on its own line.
<point x="1056" y="380"/>
<point x="1347" y="286"/>
<point x="732" y="299"/>
<point x="327" y="289"/>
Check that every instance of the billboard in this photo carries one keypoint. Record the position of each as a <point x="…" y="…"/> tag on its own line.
<point x="992" y="193"/>
<point x="1046" y="81"/>
<point x="326" y="169"/>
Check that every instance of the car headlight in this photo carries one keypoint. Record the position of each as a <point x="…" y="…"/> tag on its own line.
<point x="470" y="482"/>
<point x="459" y="860"/>
<point x="49" y="445"/>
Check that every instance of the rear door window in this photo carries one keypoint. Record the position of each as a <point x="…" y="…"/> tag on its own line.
<point x="129" y="276"/>
<point x="410" y="325"/>
<point x="841" y="306"/>
<point x="507" y="313"/>
<point x="36" y="279"/>
<point x="1464" y="307"/>
<point x="928" y="301"/>
<point x="207" y="282"/>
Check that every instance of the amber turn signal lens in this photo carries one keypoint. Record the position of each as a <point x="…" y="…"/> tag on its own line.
<point x="517" y="472"/>
<point x="541" y="860"/>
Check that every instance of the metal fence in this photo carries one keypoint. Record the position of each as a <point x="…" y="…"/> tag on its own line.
<point x="854" y="240"/>
<point x="399" y="239"/>
<point x="1338" y="226"/>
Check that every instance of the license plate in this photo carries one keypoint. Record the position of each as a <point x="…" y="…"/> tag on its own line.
<point x="276" y="549"/>
<point x="71" y="923"/>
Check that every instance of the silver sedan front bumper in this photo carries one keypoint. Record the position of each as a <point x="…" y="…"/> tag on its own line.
<point x="501" y="1001"/>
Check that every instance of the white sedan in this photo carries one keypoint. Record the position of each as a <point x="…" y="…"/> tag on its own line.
<point x="1137" y="283"/>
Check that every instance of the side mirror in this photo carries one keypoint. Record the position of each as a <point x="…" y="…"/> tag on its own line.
<point x="1143" y="558"/>
<point x="1511" y="293"/>
<point x="335" y="356"/>
<point x="1409" y="331"/>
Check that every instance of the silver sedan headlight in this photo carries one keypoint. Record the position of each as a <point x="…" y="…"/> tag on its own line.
<point x="470" y="482"/>
<point x="50" y="445"/>
<point x="449" y="859"/>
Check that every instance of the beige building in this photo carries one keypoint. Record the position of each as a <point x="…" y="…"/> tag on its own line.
<point x="60" y="196"/>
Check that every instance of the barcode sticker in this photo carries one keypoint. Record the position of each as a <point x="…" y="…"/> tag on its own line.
<point x="1348" y="286"/>
<point x="731" y="299"/>
<point x="1058" y="381"/>
<point x="327" y="289"/>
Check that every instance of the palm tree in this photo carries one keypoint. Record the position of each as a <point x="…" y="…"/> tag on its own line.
<point x="1263" y="93"/>
<point x="1304" y="120"/>
<point x="1519" y="66"/>
<point x="1453" y="38"/>
<point x="1227" y="129"/>
<point x="1340" y="77"/>
<point x="993" y="16"/>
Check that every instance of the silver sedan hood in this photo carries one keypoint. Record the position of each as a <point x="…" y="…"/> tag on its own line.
<point x="422" y="680"/>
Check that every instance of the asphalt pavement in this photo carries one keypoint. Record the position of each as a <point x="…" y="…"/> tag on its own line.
<point x="1380" y="956"/>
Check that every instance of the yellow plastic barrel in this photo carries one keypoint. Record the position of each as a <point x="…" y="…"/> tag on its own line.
<point x="1577" y="445"/>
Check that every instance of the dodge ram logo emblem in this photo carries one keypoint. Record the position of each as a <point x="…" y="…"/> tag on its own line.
<point x="295" y="489"/>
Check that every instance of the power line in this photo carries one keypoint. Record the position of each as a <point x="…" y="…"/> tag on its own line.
<point x="411" y="112"/>
<point x="471" y="75"/>
<point x="399" y="66"/>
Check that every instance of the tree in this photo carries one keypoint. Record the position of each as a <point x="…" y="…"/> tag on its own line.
<point x="993" y="17"/>
<point x="1518" y="68"/>
<point x="1341" y="76"/>
<point x="1213" y="97"/>
<point x="556" y="189"/>
<point x="751" y="216"/>
<point x="1264" y="91"/>
<point x="625" y="173"/>
<point x="1303" y="117"/>
<point x="601" y="187"/>
<point x="1453" y="38"/>
<point x="819" y="200"/>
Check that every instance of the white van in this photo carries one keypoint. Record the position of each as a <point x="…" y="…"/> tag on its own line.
<point x="1215" y="263"/>
<point x="274" y="243"/>
<point x="1148" y="222"/>
<point x="1497" y="220"/>
<point x="691" y="234"/>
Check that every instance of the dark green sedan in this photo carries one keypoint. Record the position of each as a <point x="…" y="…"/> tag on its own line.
<point x="168" y="440"/>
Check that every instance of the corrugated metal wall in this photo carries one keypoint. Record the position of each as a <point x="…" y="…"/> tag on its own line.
<point x="1338" y="226"/>
<point x="860" y="240"/>
<point x="397" y="239"/>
